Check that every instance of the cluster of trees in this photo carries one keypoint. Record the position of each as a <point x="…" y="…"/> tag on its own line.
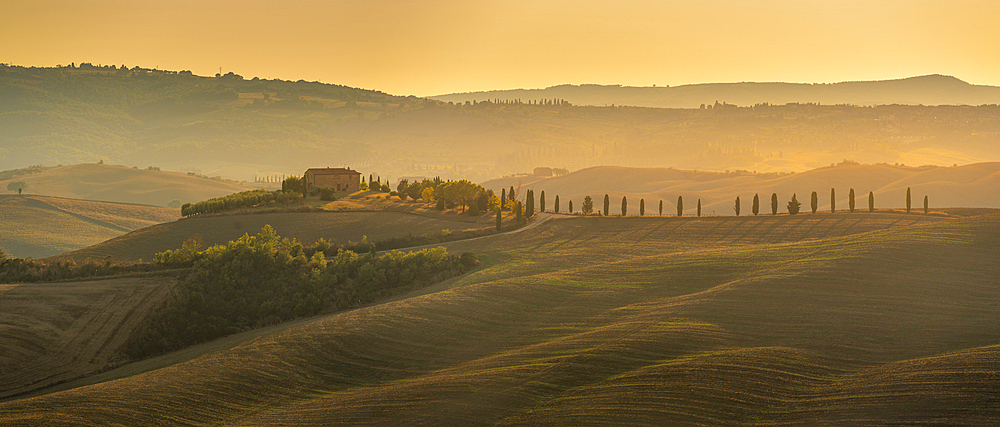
<point x="263" y="279"/>
<point x="471" y="197"/>
<point x="19" y="270"/>
<point x="794" y="205"/>
<point x="241" y="200"/>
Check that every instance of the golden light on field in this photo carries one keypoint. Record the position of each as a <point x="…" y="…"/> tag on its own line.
<point x="441" y="46"/>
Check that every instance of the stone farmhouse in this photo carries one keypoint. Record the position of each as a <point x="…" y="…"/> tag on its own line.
<point x="339" y="179"/>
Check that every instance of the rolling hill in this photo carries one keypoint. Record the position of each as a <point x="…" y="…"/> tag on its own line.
<point x="922" y="90"/>
<point x="974" y="185"/>
<point x="240" y="128"/>
<point x="109" y="183"/>
<point x="41" y="226"/>
<point x="831" y="319"/>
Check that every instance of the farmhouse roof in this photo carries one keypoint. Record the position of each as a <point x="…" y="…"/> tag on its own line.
<point x="333" y="171"/>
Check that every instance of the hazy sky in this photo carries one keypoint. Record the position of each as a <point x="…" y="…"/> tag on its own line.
<point x="427" y="47"/>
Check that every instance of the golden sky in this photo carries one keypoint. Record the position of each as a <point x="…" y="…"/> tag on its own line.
<point x="427" y="47"/>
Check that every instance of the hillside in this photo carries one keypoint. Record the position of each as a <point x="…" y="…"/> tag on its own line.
<point x="974" y="185"/>
<point x="922" y="90"/>
<point x="239" y="128"/>
<point x="41" y="226"/>
<point x="628" y="321"/>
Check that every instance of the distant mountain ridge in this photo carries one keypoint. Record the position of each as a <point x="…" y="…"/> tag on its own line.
<point x="932" y="89"/>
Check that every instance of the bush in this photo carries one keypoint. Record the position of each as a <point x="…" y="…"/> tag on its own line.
<point x="326" y="194"/>
<point x="469" y="259"/>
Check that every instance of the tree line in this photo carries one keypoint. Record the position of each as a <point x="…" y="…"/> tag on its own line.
<point x="243" y="199"/>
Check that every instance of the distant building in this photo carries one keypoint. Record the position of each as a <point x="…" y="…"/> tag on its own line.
<point x="339" y="179"/>
<point x="543" y="171"/>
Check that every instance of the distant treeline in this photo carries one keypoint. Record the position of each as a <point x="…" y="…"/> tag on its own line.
<point x="19" y="270"/>
<point x="262" y="280"/>
<point x="242" y="199"/>
<point x="450" y="194"/>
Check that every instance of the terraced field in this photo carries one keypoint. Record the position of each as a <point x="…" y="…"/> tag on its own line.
<point x="809" y="319"/>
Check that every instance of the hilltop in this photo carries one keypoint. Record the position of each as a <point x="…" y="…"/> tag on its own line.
<point x="239" y="128"/>
<point x="41" y="226"/>
<point x="923" y="90"/>
<point x="975" y="185"/>
<point x="122" y="184"/>
<point x="731" y="321"/>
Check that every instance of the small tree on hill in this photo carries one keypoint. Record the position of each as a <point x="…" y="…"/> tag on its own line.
<point x="871" y="201"/>
<point x="737" y="206"/>
<point x="588" y="205"/>
<point x="511" y="194"/>
<point x="17" y="186"/>
<point x="680" y="205"/>
<point x="624" y="206"/>
<point x="570" y="206"/>
<point x="401" y="188"/>
<point x="774" y="203"/>
<point x="814" y="202"/>
<point x="925" y="206"/>
<point x="607" y="204"/>
<point x="793" y="205"/>
<point x="642" y="207"/>
<point x="503" y="197"/>
<point x="541" y="202"/>
<point x="907" y="199"/>
<point x="850" y="201"/>
<point x="529" y="205"/>
<point x="556" y="207"/>
<point x="661" y="207"/>
<point x="755" y="207"/>
<point x="699" y="208"/>
<point x="833" y="200"/>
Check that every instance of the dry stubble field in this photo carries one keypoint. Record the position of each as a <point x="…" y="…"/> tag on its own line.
<point x="833" y="319"/>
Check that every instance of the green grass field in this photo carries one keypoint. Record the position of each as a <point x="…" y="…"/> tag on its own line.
<point x="39" y="226"/>
<point x="809" y="319"/>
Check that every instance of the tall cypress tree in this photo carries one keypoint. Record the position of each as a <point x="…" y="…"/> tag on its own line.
<point x="833" y="201"/>
<point x="737" y="206"/>
<point x="925" y="205"/>
<point x="680" y="205"/>
<point x="661" y="207"/>
<point x="850" y="200"/>
<point x="530" y="205"/>
<point x="871" y="201"/>
<point x="503" y="197"/>
<point x="642" y="207"/>
<point x="541" y="202"/>
<point x="624" y="206"/>
<point x="510" y="194"/>
<point x="814" y="202"/>
<point x="556" y="210"/>
<point x="699" y="208"/>
<point x="570" y="206"/>
<point x="756" y="205"/>
<point x="607" y="204"/>
<point x="774" y="203"/>
<point x="907" y="199"/>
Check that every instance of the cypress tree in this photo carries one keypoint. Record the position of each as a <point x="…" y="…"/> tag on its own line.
<point x="624" y="206"/>
<point x="925" y="205"/>
<point x="570" y="206"/>
<point x="907" y="199"/>
<point x="774" y="203"/>
<point x="737" y="206"/>
<point x="756" y="205"/>
<point x="499" y="220"/>
<point x="871" y="201"/>
<point x="699" y="208"/>
<point x="607" y="204"/>
<point x="642" y="207"/>
<point x="814" y="201"/>
<point x="529" y="208"/>
<point x="541" y="202"/>
<point x="680" y="206"/>
<point x="793" y="205"/>
<point x="556" y="210"/>
<point x="833" y="201"/>
<point x="850" y="201"/>
<point x="510" y="194"/>
<point x="661" y="207"/>
<point x="503" y="197"/>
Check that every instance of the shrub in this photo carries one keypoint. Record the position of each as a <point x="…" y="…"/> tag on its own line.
<point x="326" y="194"/>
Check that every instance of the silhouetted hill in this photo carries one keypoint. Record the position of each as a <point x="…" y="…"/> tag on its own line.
<point x="924" y="90"/>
